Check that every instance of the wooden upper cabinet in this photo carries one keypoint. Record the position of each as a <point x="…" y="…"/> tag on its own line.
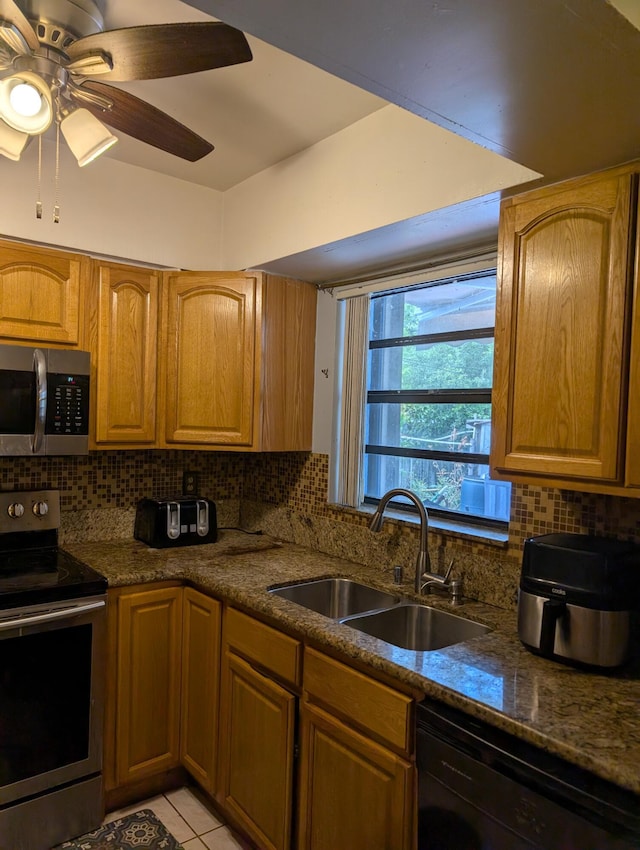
<point x="632" y="470"/>
<point x="237" y="362"/>
<point x="202" y="360"/>
<point x="41" y="295"/>
<point x="561" y="339"/>
<point x="123" y="333"/>
<point x="289" y="334"/>
<point x="210" y="332"/>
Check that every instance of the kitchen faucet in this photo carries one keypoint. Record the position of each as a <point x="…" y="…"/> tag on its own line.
<point x="425" y="580"/>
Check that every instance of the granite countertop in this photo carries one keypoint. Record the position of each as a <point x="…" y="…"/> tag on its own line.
<point x="590" y="719"/>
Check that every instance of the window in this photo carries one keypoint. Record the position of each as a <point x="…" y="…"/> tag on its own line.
<point x="426" y="397"/>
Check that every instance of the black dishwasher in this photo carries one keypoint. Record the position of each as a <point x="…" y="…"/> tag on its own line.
<point x="483" y="789"/>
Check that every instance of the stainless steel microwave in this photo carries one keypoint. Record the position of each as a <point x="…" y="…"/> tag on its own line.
<point x="44" y="401"/>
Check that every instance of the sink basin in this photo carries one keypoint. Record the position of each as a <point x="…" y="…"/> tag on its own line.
<point x="336" y="597"/>
<point x="417" y="627"/>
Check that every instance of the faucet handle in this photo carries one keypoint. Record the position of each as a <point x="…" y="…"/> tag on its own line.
<point x="449" y="568"/>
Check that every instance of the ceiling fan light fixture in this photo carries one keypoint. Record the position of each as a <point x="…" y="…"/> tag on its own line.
<point x="12" y="142"/>
<point x="87" y="137"/>
<point x="25" y="103"/>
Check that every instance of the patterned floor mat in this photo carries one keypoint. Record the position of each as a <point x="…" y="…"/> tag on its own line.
<point x="139" y="831"/>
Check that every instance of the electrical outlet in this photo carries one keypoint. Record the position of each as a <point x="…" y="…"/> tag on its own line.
<point x="189" y="483"/>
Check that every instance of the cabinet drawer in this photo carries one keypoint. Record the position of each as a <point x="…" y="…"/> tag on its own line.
<point x="270" y="649"/>
<point x="361" y="701"/>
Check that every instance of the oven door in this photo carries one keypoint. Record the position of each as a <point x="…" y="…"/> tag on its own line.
<point x="52" y="663"/>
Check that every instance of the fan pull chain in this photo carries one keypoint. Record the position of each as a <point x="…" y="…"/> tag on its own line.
<point x="38" y="200"/>
<point x="56" y="200"/>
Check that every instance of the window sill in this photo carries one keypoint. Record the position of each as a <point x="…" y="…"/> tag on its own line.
<point x="446" y="527"/>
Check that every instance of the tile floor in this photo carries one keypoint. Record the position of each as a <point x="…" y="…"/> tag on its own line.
<point x="189" y="820"/>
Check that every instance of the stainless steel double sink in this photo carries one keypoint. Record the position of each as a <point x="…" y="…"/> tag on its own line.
<point x="398" y="621"/>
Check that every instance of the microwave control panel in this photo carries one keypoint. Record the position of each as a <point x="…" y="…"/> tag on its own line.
<point x="67" y="404"/>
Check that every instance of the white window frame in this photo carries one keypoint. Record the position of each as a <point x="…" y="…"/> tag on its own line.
<point x="346" y="478"/>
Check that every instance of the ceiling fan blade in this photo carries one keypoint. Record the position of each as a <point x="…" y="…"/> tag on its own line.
<point x="141" y="120"/>
<point x="165" y="50"/>
<point x="12" y="14"/>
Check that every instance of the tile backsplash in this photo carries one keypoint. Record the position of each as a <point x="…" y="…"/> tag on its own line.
<point x="286" y="495"/>
<point x="118" y="479"/>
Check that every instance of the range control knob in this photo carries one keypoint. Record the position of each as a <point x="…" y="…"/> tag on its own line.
<point x="15" y="510"/>
<point x="40" y="508"/>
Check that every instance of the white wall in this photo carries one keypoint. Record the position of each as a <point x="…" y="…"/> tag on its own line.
<point x="387" y="167"/>
<point x="113" y="209"/>
<point x="325" y="373"/>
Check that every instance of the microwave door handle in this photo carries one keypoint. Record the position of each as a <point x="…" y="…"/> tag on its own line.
<point x="40" y="370"/>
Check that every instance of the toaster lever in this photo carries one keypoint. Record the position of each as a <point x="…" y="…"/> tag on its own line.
<point x="552" y="610"/>
<point x="173" y="520"/>
<point x="202" y="517"/>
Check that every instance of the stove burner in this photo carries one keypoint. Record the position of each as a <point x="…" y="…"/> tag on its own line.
<point x="14" y="563"/>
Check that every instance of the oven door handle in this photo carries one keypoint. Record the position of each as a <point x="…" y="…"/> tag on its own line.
<point x="48" y="616"/>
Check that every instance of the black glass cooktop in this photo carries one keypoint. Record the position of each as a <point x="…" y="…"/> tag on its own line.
<point x="33" y="576"/>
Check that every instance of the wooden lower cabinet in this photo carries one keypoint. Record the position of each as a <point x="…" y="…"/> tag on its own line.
<point x="257" y="753"/>
<point x="354" y="793"/>
<point x="258" y="707"/>
<point x="146" y="633"/>
<point x="201" y="624"/>
<point x="357" y="781"/>
<point x="196" y="685"/>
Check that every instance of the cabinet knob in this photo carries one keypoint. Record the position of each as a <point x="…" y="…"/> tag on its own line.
<point x="40" y="508"/>
<point x="15" y="510"/>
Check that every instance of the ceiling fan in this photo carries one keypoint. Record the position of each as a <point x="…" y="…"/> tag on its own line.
<point x="51" y="51"/>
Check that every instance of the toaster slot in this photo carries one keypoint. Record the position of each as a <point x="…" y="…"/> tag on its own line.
<point x="173" y="520"/>
<point x="202" y="517"/>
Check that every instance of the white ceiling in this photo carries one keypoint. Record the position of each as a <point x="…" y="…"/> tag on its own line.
<point x="255" y="114"/>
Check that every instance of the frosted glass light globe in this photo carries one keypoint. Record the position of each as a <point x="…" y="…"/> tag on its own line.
<point x="25" y="99"/>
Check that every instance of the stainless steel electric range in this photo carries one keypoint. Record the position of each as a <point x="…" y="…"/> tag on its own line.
<point x="52" y="667"/>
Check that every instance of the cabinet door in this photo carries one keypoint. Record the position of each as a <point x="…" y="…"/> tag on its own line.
<point x="210" y="325"/>
<point x="561" y="344"/>
<point x="632" y="476"/>
<point x="41" y="294"/>
<point x="201" y="623"/>
<point x="148" y="683"/>
<point x="257" y="725"/>
<point x="354" y="793"/>
<point x="289" y="333"/>
<point x="126" y="327"/>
